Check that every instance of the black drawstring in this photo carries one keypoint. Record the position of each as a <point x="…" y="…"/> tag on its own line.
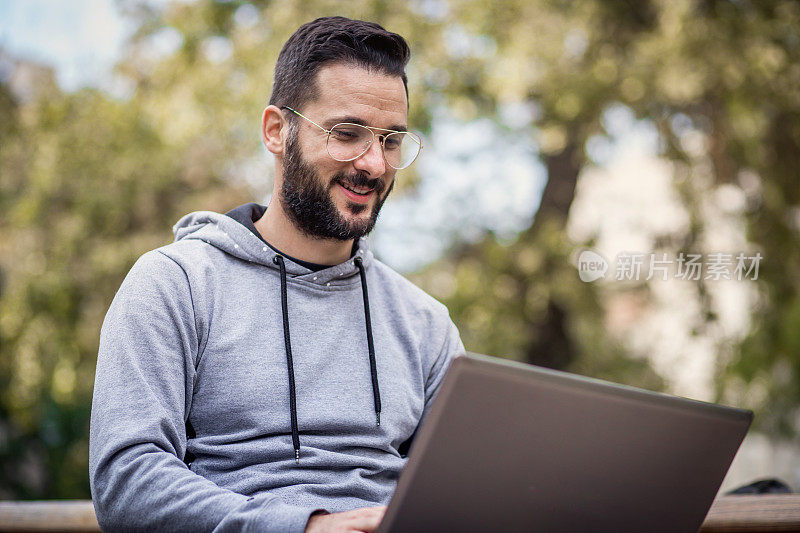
<point x="376" y="394"/>
<point x="292" y="396"/>
<point x="278" y="259"/>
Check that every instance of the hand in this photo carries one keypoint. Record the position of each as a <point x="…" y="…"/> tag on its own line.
<point x="365" y="519"/>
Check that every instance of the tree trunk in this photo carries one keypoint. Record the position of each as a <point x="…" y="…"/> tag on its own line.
<point x="550" y="344"/>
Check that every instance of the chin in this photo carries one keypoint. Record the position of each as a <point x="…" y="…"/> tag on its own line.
<point x="356" y="220"/>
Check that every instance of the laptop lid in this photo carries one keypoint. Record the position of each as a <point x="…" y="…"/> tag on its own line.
<point x="513" y="447"/>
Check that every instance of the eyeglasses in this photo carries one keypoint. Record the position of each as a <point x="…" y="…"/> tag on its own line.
<point x="347" y="141"/>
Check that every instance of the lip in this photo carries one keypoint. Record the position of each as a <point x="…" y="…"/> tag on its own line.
<point x="356" y="198"/>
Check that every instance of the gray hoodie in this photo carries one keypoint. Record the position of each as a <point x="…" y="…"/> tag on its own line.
<point x="238" y="391"/>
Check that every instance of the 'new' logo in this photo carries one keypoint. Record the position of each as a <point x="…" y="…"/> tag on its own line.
<point x="591" y="266"/>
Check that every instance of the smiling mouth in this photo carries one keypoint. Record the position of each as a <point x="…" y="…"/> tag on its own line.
<point x="361" y="191"/>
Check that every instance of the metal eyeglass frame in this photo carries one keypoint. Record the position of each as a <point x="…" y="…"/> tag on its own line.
<point x="413" y="136"/>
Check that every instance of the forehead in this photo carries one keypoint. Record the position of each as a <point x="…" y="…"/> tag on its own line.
<point x="374" y="97"/>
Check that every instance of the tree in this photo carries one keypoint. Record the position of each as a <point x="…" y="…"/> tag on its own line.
<point x="88" y="181"/>
<point x="724" y="70"/>
<point x="87" y="186"/>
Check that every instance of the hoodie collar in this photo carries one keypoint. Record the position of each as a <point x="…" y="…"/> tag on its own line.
<point x="228" y="235"/>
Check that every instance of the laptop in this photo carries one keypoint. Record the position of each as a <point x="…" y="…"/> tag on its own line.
<point x="512" y="447"/>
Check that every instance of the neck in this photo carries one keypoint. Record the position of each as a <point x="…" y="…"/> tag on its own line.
<point x="277" y="229"/>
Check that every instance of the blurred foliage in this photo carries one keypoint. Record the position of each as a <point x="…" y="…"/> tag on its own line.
<point x="87" y="184"/>
<point x="88" y="181"/>
<point x="729" y="71"/>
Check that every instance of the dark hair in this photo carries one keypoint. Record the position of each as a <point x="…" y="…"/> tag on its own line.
<point x="334" y="40"/>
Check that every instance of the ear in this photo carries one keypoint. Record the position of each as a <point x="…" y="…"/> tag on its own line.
<point x="273" y="129"/>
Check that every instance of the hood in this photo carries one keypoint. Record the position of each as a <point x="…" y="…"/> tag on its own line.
<point x="228" y="235"/>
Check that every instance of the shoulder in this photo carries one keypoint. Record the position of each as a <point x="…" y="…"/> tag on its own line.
<point x="407" y="295"/>
<point x="153" y="275"/>
<point x="189" y="261"/>
<point x="190" y="253"/>
<point x="165" y="261"/>
<point x="169" y="267"/>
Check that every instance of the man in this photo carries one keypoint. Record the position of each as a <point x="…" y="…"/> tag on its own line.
<point x="264" y="372"/>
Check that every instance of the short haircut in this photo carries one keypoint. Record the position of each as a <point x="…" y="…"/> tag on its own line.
<point x="331" y="40"/>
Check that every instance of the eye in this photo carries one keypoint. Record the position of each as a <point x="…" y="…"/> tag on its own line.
<point x="347" y="134"/>
<point x="393" y="141"/>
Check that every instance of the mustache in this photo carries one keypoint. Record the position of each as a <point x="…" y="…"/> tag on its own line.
<point x="360" y="179"/>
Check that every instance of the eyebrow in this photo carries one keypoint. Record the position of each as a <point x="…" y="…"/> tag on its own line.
<point x="331" y="122"/>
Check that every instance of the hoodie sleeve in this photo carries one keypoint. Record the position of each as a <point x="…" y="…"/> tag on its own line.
<point x="451" y="348"/>
<point x="142" y="394"/>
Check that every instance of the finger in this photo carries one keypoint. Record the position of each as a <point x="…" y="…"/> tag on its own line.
<point x="367" y="511"/>
<point x="367" y="519"/>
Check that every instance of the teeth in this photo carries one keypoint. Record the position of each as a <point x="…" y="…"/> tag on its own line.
<point x="357" y="190"/>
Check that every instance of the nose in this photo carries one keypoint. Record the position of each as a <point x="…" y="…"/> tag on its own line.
<point x="372" y="161"/>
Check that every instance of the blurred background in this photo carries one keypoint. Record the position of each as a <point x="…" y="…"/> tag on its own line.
<point x="652" y="127"/>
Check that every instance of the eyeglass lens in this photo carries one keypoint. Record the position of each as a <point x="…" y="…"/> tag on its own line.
<point x="349" y="141"/>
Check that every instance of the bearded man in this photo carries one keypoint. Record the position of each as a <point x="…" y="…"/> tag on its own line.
<point x="264" y="372"/>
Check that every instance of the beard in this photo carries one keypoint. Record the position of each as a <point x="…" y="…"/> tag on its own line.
<point x="309" y="203"/>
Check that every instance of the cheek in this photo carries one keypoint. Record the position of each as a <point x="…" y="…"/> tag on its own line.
<point x="389" y="185"/>
<point x="315" y="154"/>
<point x="324" y="167"/>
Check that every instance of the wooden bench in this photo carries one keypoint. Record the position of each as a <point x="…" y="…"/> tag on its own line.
<point x="51" y="515"/>
<point x="729" y="514"/>
<point x="754" y="513"/>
